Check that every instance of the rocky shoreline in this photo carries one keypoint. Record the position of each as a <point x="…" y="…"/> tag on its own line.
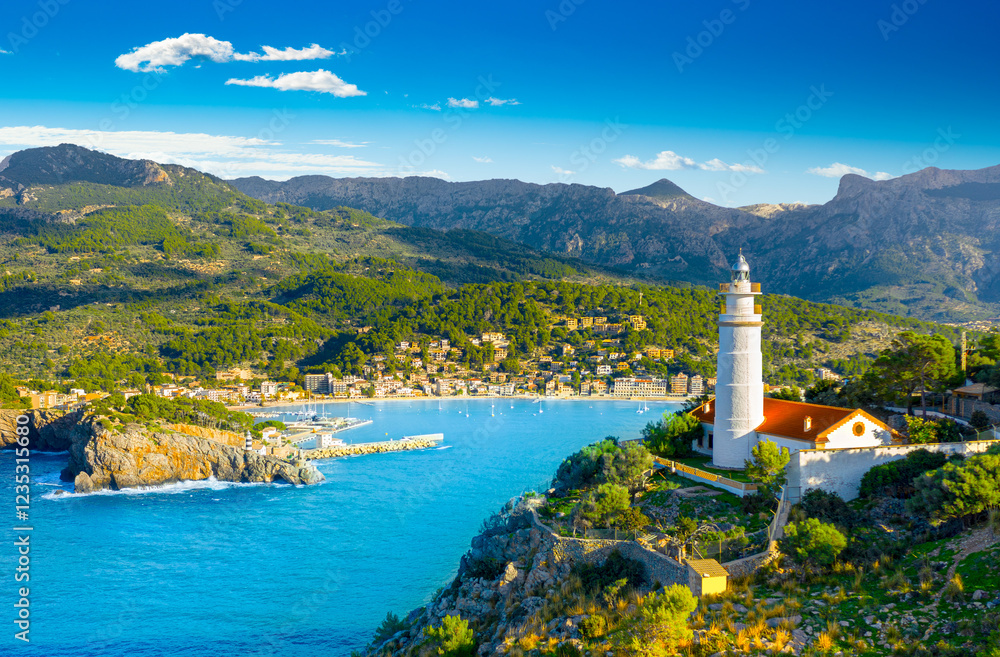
<point x="105" y="456"/>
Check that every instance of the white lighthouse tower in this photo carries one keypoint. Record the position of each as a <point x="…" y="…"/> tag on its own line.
<point x="739" y="390"/>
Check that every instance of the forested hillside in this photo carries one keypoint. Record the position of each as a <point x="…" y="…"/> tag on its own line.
<point x="118" y="274"/>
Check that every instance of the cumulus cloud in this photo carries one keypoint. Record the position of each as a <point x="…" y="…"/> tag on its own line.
<point x="562" y="173"/>
<point x="839" y="169"/>
<point x="486" y="159"/>
<point x="671" y="161"/>
<point x="5" y="52"/>
<point x="176" y="51"/>
<point x="339" y="144"/>
<point x="436" y="107"/>
<point x="322" y="81"/>
<point x="502" y="101"/>
<point x="464" y="103"/>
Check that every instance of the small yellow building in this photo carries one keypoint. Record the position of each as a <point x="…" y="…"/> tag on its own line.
<point x="706" y="577"/>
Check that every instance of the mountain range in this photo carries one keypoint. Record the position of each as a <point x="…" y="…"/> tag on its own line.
<point x="924" y="244"/>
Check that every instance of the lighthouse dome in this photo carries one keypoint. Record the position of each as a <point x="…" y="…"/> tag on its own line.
<point x="741" y="269"/>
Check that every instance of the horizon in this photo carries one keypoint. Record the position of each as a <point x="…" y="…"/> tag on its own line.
<point x="570" y="91"/>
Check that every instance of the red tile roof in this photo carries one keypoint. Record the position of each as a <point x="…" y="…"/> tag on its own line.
<point x="787" y="418"/>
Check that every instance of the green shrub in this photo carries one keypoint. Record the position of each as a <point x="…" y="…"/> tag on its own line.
<point x="957" y="490"/>
<point x="453" y="638"/>
<point x="813" y="542"/>
<point x="895" y="478"/>
<point x="828" y="507"/>
<point x="594" y="626"/>
<point x="660" y="623"/>
<point x="390" y="626"/>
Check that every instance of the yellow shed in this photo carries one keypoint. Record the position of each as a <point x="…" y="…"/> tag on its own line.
<point x="706" y="577"/>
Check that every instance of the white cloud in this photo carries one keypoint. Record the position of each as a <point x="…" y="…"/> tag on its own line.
<point x="176" y="51"/>
<point x="322" y="81"/>
<point x="562" y="173"/>
<point x="671" y="161"/>
<point x="464" y="103"/>
<point x="502" y="101"/>
<point x="315" y="51"/>
<point x="436" y="107"/>
<point x="839" y="169"/>
<point x="5" y="52"/>
<point x="486" y="159"/>
<point x="339" y="144"/>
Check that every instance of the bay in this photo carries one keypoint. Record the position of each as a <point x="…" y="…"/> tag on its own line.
<point x="211" y="568"/>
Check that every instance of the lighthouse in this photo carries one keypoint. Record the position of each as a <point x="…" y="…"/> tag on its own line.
<point x="739" y="391"/>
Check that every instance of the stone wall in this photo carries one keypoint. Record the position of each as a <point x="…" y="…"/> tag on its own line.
<point x="659" y="568"/>
<point x="966" y="407"/>
<point x="840" y="470"/>
<point x="751" y="564"/>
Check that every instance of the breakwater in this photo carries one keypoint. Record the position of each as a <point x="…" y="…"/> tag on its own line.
<point x="369" y="448"/>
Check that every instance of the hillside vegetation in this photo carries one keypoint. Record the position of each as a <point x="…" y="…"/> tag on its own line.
<point x="171" y="270"/>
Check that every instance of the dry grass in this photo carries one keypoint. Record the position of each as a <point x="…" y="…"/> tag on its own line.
<point x="824" y="642"/>
<point x="781" y="638"/>
<point x="954" y="589"/>
<point x="834" y="629"/>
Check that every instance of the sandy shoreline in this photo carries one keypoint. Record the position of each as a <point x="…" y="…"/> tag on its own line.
<point x="366" y="401"/>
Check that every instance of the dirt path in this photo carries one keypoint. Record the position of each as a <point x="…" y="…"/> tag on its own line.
<point x="977" y="541"/>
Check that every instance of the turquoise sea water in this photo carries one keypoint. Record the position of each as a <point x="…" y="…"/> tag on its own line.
<point x="215" y="569"/>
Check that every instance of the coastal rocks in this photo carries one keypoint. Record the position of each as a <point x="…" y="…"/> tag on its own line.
<point x="48" y="431"/>
<point x="133" y="456"/>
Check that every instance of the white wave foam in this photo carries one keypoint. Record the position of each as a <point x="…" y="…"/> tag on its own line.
<point x="165" y="489"/>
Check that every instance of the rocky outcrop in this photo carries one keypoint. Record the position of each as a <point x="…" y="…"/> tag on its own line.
<point x="503" y="580"/>
<point x="218" y="435"/>
<point x="115" y="457"/>
<point x="107" y="456"/>
<point x="48" y="431"/>
<point x="66" y="163"/>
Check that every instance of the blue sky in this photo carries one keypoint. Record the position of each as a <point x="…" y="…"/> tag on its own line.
<point x="737" y="101"/>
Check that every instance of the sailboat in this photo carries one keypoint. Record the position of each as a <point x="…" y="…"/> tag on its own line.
<point x="640" y="411"/>
<point x="493" y="412"/>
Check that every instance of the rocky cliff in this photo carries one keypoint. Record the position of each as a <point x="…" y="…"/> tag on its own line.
<point x="107" y="456"/>
<point x="48" y="431"/>
<point x="132" y="456"/>
<point x="514" y="568"/>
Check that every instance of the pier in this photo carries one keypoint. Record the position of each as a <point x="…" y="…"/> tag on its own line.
<point x="406" y="444"/>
